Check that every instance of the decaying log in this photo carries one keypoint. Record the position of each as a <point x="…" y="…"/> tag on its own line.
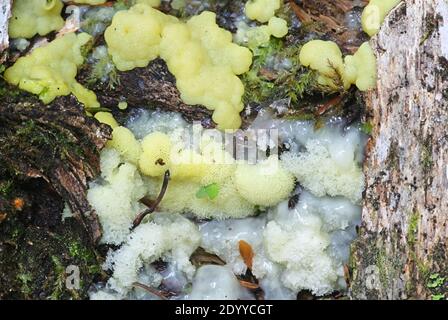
<point x="150" y="87"/>
<point x="404" y="235"/>
<point x="337" y="20"/>
<point x="57" y="143"/>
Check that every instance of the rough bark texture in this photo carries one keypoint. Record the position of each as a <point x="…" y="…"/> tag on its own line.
<point x="5" y="13"/>
<point x="152" y="87"/>
<point x="47" y="155"/>
<point x="57" y="143"/>
<point x="402" y="247"/>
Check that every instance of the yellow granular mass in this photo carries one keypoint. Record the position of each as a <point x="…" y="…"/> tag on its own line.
<point x="50" y="71"/>
<point x="266" y="183"/>
<point x="31" y="17"/>
<point x="199" y="53"/>
<point x="241" y="186"/>
<point x="260" y="35"/>
<point x="324" y="57"/>
<point x="261" y="10"/>
<point x="333" y="71"/>
<point x="360" y="68"/>
<point x="107" y="118"/>
<point x="152" y="3"/>
<point x="93" y="2"/>
<point x="134" y="36"/>
<point x="374" y="14"/>
<point x="155" y="158"/>
<point x="123" y="140"/>
<point x="278" y="27"/>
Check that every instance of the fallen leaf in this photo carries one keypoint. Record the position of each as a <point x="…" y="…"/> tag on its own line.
<point x="249" y="285"/>
<point x="246" y="253"/>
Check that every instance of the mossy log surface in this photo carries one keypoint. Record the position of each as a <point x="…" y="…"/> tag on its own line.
<point x="47" y="155"/>
<point x="57" y="143"/>
<point x="150" y="87"/>
<point x="403" y="244"/>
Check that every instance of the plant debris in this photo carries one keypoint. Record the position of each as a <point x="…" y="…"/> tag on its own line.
<point x="154" y="205"/>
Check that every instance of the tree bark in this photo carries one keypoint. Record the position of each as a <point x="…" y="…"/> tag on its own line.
<point x="57" y="143"/>
<point x="150" y="87"/>
<point x="5" y="13"/>
<point x="404" y="234"/>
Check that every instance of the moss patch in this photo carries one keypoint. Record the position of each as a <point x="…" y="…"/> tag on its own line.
<point x="36" y="247"/>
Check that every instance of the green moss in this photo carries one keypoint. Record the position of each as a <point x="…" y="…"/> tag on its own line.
<point x="7" y="91"/>
<point x="367" y="128"/>
<point x="102" y="69"/>
<point x="57" y="143"/>
<point x="435" y="281"/>
<point x="262" y="83"/>
<point x="438" y="286"/>
<point x="34" y="262"/>
<point x="25" y="278"/>
<point x="6" y="188"/>
<point x="412" y="228"/>
<point x="78" y="251"/>
<point x="59" y="272"/>
<point x="426" y="157"/>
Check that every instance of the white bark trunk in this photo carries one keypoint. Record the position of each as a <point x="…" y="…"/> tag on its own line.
<point x="404" y="235"/>
<point x="5" y="14"/>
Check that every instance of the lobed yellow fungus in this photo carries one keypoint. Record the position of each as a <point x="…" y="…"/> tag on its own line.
<point x="152" y="3"/>
<point x="261" y="10"/>
<point x="50" y="71"/>
<point x="134" y="36"/>
<point x="155" y="158"/>
<point x="360" y="69"/>
<point x="374" y="14"/>
<point x="326" y="58"/>
<point x="122" y="105"/>
<point x="254" y="37"/>
<point x="123" y="140"/>
<point x="199" y="53"/>
<point x="239" y="186"/>
<point x="278" y="27"/>
<point x="35" y="17"/>
<point x="92" y="2"/>
<point x="265" y="183"/>
<point x="107" y="118"/>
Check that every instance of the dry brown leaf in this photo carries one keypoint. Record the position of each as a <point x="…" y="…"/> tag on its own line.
<point x="249" y="285"/>
<point x="246" y="253"/>
<point x="3" y="216"/>
<point x="300" y="13"/>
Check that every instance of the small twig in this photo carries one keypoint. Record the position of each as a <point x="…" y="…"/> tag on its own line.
<point x="158" y="293"/>
<point x="323" y="108"/>
<point x="146" y="201"/>
<point x="300" y="13"/>
<point x="154" y="205"/>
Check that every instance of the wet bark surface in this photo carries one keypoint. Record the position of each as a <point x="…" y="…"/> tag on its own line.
<point x="402" y="247"/>
<point x="58" y="143"/>
<point x="47" y="156"/>
<point x="152" y="87"/>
